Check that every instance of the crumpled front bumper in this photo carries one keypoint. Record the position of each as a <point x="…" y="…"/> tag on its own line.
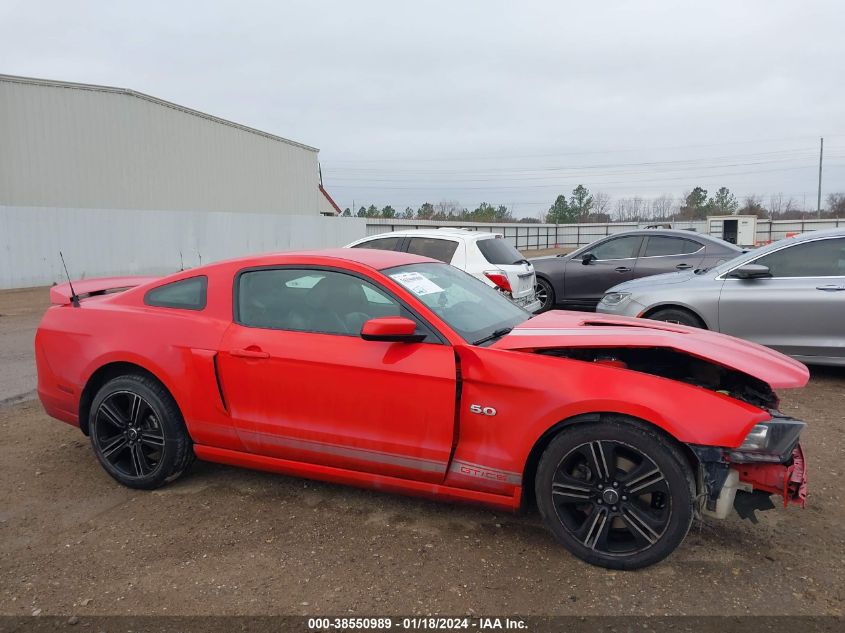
<point x="788" y="480"/>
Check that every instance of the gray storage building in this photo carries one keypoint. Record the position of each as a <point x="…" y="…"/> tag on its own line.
<point x="74" y="145"/>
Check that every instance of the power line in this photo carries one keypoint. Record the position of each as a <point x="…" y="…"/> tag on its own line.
<point x="797" y="153"/>
<point x="577" y="153"/>
<point x="591" y="183"/>
<point x="558" y="176"/>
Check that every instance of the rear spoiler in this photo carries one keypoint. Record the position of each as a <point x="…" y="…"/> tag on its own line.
<point x="61" y="294"/>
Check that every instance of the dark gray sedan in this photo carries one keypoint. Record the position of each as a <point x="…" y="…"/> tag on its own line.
<point x="789" y="295"/>
<point x="578" y="280"/>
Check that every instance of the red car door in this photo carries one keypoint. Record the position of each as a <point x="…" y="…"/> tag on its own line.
<point x="301" y="384"/>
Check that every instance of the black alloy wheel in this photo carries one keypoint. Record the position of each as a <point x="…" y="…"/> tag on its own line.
<point x="607" y="508"/>
<point x="128" y="434"/>
<point x="545" y="295"/>
<point x="615" y="494"/>
<point x="138" y="433"/>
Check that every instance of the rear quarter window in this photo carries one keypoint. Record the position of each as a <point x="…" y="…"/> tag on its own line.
<point x="660" y="246"/>
<point x="499" y="251"/>
<point x="187" y="294"/>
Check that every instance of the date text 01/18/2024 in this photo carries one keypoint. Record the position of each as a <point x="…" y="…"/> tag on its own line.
<point x="415" y="623"/>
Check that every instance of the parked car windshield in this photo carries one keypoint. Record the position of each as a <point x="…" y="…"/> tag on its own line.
<point x="500" y="252"/>
<point x="469" y="306"/>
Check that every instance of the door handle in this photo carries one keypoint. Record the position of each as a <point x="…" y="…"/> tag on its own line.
<point x="830" y="288"/>
<point x="683" y="266"/>
<point x="249" y="352"/>
<point x="622" y="269"/>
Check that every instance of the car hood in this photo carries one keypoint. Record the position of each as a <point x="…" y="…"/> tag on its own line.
<point x="560" y="328"/>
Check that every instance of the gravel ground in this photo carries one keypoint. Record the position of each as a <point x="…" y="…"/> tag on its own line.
<point x="20" y="312"/>
<point x="229" y="541"/>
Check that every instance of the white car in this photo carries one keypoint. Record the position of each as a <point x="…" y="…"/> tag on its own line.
<point x="486" y="256"/>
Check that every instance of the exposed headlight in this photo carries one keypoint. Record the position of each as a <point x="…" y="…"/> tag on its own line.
<point x="615" y="298"/>
<point x="770" y="441"/>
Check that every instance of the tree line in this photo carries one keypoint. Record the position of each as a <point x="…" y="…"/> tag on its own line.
<point x="583" y="206"/>
<point x="446" y="210"/>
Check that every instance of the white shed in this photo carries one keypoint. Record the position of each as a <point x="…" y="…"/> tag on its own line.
<point x="73" y="145"/>
<point x="736" y="229"/>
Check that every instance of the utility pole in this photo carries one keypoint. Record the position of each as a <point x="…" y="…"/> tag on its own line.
<point x="819" y="201"/>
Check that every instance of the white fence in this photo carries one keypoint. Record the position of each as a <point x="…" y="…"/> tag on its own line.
<point x="100" y="242"/>
<point x="528" y="237"/>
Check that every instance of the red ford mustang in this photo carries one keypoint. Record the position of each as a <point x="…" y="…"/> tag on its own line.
<point x="396" y="372"/>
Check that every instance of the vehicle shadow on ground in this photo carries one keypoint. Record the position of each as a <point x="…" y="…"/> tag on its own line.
<point x="824" y="371"/>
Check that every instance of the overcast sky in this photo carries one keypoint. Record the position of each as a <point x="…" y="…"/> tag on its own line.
<point x="505" y="102"/>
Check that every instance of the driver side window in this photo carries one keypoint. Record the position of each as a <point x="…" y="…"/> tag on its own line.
<point x="323" y="301"/>
<point x="820" y="258"/>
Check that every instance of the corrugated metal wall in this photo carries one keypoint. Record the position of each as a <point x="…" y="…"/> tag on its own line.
<point x="67" y="145"/>
<point x="103" y="242"/>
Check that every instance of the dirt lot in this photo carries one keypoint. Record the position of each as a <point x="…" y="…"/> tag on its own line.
<point x="20" y="311"/>
<point x="228" y="541"/>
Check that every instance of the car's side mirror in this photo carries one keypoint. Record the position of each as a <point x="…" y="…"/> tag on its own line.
<point x="750" y="271"/>
<point x="391" y="330"/>
<point x="587" y="258"/>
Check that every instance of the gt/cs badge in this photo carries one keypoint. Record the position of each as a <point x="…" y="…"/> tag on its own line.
<point x="477" y="408"/>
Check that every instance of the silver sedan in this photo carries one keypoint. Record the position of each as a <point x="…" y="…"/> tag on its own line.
<point x="789" y="295"/>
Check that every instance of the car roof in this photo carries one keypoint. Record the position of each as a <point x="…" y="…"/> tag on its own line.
<point x="676" y="233"/>
<point x="373" y="258"/>
<point x="693" y="235"/>
<point x="445" y="232"/>
<point x="811" y="235"/>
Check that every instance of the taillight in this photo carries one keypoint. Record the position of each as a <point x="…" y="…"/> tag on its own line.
<point x="499" y="278"/>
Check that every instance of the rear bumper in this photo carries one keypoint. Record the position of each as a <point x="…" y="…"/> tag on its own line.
<point x="787" y="480"/>
<point x="528" y="303"/>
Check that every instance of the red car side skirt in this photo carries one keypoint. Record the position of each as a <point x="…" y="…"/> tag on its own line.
<point x="360" y="479"/>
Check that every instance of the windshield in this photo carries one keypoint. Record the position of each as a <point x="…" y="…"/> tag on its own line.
<point x="499" y="251"/>
<point x="469" y="306"/>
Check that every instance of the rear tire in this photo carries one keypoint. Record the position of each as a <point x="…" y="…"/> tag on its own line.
<point x="677" y="315"/>
<point x="545" y="294"/>
<point x="138" y="433"/>
<point x="615" y="493"/>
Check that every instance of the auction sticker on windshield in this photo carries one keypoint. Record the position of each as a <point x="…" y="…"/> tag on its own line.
<point x="417" y="283"/>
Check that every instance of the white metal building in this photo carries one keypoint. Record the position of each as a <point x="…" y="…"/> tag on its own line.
<point x="70" y="145"/>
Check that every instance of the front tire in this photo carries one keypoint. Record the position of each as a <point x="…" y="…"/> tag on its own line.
<point x="677" y="315"/>
<point x="138" y="433"/>
<point x="615" y="493"/>
<point x="545" y="294"/>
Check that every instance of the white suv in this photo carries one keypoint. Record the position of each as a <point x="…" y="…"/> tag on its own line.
<point x="487" y="256"/>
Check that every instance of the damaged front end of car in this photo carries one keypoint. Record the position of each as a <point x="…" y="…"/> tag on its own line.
<point x="738" y="468"/>
<point x="769" y="462"/>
